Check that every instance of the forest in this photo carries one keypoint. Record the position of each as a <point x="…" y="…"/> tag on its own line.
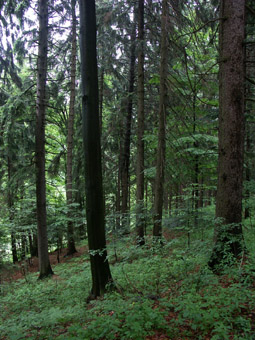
<point x="127" y="169"/>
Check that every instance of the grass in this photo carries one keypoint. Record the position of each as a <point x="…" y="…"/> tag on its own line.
<point x="162" y="293"/>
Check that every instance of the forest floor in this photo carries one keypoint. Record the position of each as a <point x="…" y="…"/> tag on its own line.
<point x="162" y="293"/>
<point x="20" y="269"/>
<point x="30" y="265"/>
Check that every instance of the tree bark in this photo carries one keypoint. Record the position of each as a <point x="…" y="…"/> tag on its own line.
<point x="70" y="131"/>
<point x="161" y="152"/>
<point x="140" y="218"/>
<point x="125" y="160"/>
<point x="10" y="207"/>
<point x="101" y="275"/>
<point x="101" y="97"/>
<point x="228" y="233"/>
<point x="44" y="262"/>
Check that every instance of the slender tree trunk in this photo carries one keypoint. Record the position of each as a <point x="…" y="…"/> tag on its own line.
<point x="161" y="152"/>
<point x="125" y="161"/>
<point x="44" y="262"/>
<point x="10" y="207"/>
<point x="118" y="206"/>
<point x="140" y="219"/>
<point x="195" y="192"/>
<point x="23" y="245"/>
<point x="201" y="193"/>
<point x="35" y="245"/>
<point x="70" y="131"/>
<point x="101" y="275"/>
<point x="228" y="233"/>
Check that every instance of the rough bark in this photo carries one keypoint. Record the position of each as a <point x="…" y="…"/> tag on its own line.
<point x="247" y="173"/>
<point x="228" y="233"/>
<point x="101" y="275"/>
<point x="44" y="262"/>
<point x="140" y="219"/>
<point x="70" y="131"/>
<point x="161" y="151"/>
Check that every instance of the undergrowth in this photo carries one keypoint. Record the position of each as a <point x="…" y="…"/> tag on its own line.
<point x="168" y="290"/>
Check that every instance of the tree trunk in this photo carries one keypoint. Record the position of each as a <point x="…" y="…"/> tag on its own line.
<point x="44" y="263"/>
<point x="118" y="206"/>
<point x="101" y="97"/>
<point x="10" y="207"/>
<point x="35" y="245"/>
<point x="140" y="218"/>
<point x="101" y="275"/>
<point x="70" y="131"/>
<point x="161" y="152"/>
<point x="247" y="173"/>
<point x="228" y="233"/>
<point x="125" y="161"/>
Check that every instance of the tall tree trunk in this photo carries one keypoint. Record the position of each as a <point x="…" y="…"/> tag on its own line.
<point x="10" y="207"/>
<point x="101" y="275"/>
<point x="44" y="262"/>
<point x="249" y="105"/>
<point x="118" y="190"/>
<point x="228" y="233"/>
<point x="140" y="219"/>
<point x="195" y="192"/>
<point x="70" y="131"/>
<point x="125" y="161"/>
<point x="161" y="152"/>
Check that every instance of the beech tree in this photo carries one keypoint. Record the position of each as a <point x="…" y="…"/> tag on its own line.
<point x="44" y="262"/>
<point x="228" y="233"/>
<point x="101" y="275"/>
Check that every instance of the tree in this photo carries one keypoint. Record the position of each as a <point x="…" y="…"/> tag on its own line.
<point x="140" y="220"/>
<point x="228" y="233"/>
<point x="125" y="156"/>
<point x="70" y="130"/>
<point x="101" y="275"/>
<point x="44" y="262"/>
<point x="10" y="206"/>
<point x="161" y="151"/>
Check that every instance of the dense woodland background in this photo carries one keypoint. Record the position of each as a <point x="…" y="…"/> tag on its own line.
<point x="173" y="116"/>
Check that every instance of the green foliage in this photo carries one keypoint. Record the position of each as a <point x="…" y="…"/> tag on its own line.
<point x="167" y="288"/>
